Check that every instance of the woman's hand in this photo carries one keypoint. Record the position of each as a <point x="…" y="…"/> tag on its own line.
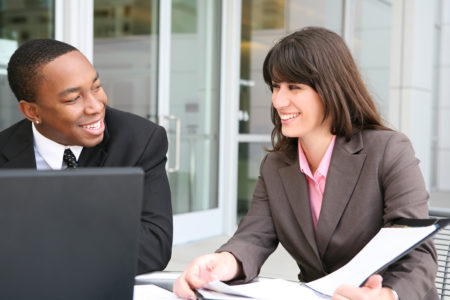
<point x="204" y="269"/>
<point x="372" y="289"/>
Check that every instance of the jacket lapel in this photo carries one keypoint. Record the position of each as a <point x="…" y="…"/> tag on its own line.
<point x="19" y="151"/>
<point x="296" y="188"/>
<point x="345" y="168"/>
<point x="95" y="156"/>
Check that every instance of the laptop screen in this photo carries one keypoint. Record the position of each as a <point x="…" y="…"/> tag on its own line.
<point x="69" y="234"/>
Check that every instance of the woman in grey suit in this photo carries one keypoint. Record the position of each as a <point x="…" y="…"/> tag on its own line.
<point x="335" y="176"/>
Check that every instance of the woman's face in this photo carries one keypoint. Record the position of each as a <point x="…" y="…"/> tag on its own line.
<point x="300" y="109"/>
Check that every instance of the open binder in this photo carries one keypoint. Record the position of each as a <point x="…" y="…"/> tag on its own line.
<point x="402" y="237"/>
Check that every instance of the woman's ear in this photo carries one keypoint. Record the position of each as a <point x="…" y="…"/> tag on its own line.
<point x="29" y="110"/>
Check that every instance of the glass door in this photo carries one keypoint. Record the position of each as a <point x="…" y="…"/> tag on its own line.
<point x="161" y="60"/>
<point x="20" y="21"/>
<point x="190" y="112"/>
<point x="263" y="23"/>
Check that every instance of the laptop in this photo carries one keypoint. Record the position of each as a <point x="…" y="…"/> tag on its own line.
<point x="69" y="234"/>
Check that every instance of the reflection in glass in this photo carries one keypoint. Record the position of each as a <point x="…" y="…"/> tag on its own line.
<point x="20" y="21"/>
<point x="184" y="16"/>
<point x="194" y="99"/>
<point x="126" y="53"/>
<point x="371" y="47"/>
<point x="263" y="22"/>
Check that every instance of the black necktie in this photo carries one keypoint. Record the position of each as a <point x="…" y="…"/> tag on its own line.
<point x="69" y="159"/>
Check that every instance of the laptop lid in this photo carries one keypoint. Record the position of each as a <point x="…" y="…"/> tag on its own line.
<point x="69" y="234"/>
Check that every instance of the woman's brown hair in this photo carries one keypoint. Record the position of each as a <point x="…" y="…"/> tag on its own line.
<point x="320" y="58"/>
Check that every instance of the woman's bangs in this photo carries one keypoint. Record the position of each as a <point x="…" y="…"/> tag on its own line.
<point x="287" y="65"/>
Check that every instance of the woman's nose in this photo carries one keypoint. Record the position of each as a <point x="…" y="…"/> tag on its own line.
<point x="280" y="99"/>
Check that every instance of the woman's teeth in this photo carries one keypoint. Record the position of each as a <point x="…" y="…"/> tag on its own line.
<point x="288" y="116"/>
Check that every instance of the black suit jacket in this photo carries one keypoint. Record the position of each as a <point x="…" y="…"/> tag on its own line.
<point x="129" y="140"/>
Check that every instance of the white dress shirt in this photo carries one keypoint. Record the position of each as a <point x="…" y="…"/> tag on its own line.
<point x="49" y="154"/>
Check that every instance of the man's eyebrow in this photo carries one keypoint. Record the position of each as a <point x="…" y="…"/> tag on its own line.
<point x="76" y="89"/>
<point x="96" y="78"/>
<point x="68" y="91"/>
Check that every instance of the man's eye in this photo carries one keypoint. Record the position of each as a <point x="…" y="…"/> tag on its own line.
<point x="73" y="99"/>
<point x="96" y="88"/>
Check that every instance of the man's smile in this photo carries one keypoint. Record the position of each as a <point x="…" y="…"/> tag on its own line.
<point x="94" y="128"/>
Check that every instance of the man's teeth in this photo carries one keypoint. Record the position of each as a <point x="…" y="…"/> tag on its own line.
<point x="93" y="126"/>
<point x="288" y="116"/>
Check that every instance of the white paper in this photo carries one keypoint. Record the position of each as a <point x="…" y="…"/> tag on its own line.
<point x="386" y="246"/>
<point x="220" y="296"/>
<point x="269" y="289"/>
<point x="158" y="275"/>
<point x="152" y="292"/>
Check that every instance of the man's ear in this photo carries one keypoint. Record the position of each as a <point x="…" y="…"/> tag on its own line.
<point x="29" y="110"/>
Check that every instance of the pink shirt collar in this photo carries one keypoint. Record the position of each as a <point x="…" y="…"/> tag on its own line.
<point x="322" y="170"/>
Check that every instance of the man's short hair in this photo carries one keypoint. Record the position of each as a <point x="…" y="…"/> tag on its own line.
<point x="24" y="67"/>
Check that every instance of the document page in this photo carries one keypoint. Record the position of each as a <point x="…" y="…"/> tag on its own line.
<point x="387" y="245"/>
<point x="267" y="289"/>
<point x="152" y="292"/>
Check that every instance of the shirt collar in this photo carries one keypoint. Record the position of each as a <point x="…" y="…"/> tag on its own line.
<point x="324" y="163"/>
<point x="51" y="151"/>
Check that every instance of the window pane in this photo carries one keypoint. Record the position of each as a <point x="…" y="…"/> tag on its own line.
<point x="20" y="21"/>
<point x="126" y="53"/>
<point x="371" y="48"/>
<point x="195" y="101"/>
<point x="263" y="22"/>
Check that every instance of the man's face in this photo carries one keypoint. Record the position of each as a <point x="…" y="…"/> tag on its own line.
<point x="70" y="102"/>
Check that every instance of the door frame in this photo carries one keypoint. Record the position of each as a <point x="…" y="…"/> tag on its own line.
<point x="74" y="21"/>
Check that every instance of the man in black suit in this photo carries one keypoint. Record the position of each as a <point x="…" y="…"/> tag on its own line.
<point x="64" y="105"/>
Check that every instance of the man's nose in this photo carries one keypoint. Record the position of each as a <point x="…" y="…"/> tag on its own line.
<point x="94" y="105"/>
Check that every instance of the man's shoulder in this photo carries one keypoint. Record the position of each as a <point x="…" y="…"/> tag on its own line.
<point x="7" y="133"/>
<point x="125" y="120"/>
<point x="124" y="126"/>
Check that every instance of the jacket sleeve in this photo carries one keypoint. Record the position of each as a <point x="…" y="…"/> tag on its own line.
<point x="156" y="221"/>
<point x="255" y="238"/>
<point x="405" y="196"/>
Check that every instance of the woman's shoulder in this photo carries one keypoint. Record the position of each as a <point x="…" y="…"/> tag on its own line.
<point x="277" y="159"/>
<point x="386" y="142"/>
<point x="382" y="136"/>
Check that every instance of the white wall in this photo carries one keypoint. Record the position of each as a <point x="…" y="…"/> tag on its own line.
<point x="443" y="103"/>
<point x="411" y="85"/>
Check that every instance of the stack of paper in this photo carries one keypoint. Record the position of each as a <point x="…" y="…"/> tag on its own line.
<point x="386" y="247"/>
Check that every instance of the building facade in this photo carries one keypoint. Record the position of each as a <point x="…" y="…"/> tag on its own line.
<point x="195" y="66"/>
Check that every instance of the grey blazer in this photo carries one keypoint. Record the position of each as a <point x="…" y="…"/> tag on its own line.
<point x="372" y="180"/>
